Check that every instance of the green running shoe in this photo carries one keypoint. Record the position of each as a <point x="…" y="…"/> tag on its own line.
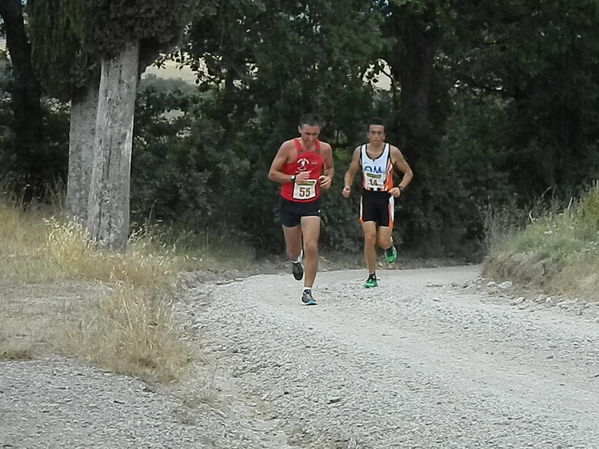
<point x="391" y="254"/>
<point x="371" y="282"/>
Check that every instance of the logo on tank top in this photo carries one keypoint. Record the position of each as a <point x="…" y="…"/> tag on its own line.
<point x="303" y="164"/>
<point x="375" y="169"/>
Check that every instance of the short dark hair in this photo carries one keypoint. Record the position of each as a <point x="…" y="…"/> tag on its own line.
<point x="310" y="119"/>
<point x="375" y="121"/>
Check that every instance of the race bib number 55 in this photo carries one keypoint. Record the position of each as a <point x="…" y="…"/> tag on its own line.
<point x="304" y="190"/>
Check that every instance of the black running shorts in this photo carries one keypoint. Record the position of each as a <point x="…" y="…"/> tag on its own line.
<point x="378" y="207"/>
<point x="292" y="212"/>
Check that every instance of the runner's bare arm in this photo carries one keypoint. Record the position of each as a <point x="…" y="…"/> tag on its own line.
<point x="400" y="165"/>
<point x="326" y="178"/>
<point x="275" y="173"/>
<point x="350" y="174"/>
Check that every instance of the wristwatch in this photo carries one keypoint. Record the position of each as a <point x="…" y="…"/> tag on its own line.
<point x="293" y="178"/>
<point x="401" y="188"/>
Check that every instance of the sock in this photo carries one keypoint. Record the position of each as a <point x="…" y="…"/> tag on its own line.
<point x="307" y="289"/>
<point x="372" y="276"/>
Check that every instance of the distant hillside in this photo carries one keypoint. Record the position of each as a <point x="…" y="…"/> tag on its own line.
<point x="171" y="70"/>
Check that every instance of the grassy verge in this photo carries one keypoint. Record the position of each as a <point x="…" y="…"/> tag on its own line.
<point x="558" y="253"/>
<point x="58" y="293"/>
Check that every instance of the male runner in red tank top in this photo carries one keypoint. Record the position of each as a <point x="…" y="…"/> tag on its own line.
<point x="303" y="166"/>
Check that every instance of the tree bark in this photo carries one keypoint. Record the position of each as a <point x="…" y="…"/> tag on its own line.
<point x="108" y="206"/>
<point x="25" y="94"/>
<point x="84" y="111"/>
<point x="412" y="63"/>
<point x="415" y="72"/>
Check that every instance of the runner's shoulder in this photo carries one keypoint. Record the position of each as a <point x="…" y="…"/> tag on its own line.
<point x="324" y="146"/>
<point x="394" y="151"/>
<point x="287" y="148"/>
<point x="288" y="144"/>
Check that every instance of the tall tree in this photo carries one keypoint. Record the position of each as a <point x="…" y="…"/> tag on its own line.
<point x="270" y="61"/>
<point x="413" y="33"/>
<point x="70" y="74"/>
<point x="547" y="84"/>
<point x="127" y="35"/>
<point x="25" y="93"/>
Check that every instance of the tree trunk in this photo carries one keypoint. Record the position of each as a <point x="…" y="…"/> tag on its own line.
<point x="415" y="72"/>
<point x="84" y="110"/>
<point x="412" y="63"/>
<point x="108" y="211"/>
<point x="25" y="94"/>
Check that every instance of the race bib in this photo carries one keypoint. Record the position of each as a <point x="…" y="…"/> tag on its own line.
<point x="374" y="180"/>
<point x="304" y="190"/>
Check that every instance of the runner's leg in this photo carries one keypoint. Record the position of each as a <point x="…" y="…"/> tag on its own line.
<point x="293" y="241"/>
<point x="383" y="237"/>
<point x="311" y="232"/>
<point x="369" y="229"/>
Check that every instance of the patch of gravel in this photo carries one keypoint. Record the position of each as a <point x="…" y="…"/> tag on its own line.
<point x="432" y="358"/>
<point x="526" y="299"/>
<point x="60" y="403"/>
<point x="423" y="361"/>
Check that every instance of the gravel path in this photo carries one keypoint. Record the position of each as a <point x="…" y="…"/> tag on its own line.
<point x="426" y="360"/>
<point x="419" y="362"/>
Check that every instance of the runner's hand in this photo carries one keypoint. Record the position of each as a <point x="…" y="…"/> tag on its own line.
<point x="395" y="192"/>
<point x="325" y="181"/>
<point x="346" y="191"/>
<point x="302" y="176"/>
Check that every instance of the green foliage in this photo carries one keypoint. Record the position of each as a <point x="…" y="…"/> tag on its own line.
<point x="521" y="115"/>
<point x="473" y="154"/>
<point x="54" y="146"/>
<point x="183" y="174"/>
<point x="179" y="172"/>
<point x="341" y="230"/>
<point x="6" y="119"/>
<point x="587" y="215"/>
<point x="103" y="26"/>
<point x="256" y="96"/>
<point x="327" y="46"/>
<point x="558" y="252"/>
<point x="492" y="103"/>
<point x="60" y="63"/>
<point x="549" y="84"/>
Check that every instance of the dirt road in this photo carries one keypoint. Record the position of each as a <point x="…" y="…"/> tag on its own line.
<point x="419" y="362"/>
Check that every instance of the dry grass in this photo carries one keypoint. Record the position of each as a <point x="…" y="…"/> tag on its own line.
<point x="39" y="249"/>
<point x="14" y="344"/>
<point x="558" y="252"/>
<point x="118" y="311"/>
<point x="130" y="332"/>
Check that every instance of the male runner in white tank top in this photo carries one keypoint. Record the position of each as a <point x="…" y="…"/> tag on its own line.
<point x="377" y="160"/>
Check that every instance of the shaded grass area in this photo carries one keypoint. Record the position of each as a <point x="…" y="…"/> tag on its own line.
<point x="59" y="293"/>
<point x="558" y="252"/>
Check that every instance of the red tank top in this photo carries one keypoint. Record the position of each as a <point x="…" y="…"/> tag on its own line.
<point x="303" y="192"/>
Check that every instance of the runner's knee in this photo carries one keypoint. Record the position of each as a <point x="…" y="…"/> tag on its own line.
<point x="384" y="242"/>
<point x="310" y="249"/>
<point x="369" y="238"/>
